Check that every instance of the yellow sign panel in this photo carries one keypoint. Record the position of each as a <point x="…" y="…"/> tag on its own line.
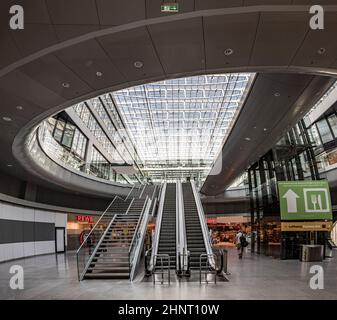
<point x="306" y="226"/>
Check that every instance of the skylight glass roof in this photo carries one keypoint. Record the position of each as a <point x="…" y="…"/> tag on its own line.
<point x="181" y="124"/>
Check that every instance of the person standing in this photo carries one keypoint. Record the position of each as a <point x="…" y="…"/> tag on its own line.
<point x="243" y="244"/>
<point x="237" y="239"/>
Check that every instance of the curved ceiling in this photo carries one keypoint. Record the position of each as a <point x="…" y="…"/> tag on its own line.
<point x="54" y="61"/>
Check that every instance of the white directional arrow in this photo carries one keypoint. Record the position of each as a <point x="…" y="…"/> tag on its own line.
<point x="291" y="197"/>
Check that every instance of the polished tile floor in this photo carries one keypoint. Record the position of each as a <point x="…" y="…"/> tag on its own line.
<point x="254" y="277"/>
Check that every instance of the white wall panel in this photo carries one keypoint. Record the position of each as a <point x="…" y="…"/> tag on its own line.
<point x="11" y="212"/>
<point x="61" y="220"/>
<point x="29" y="249"/>
<point x="44" y="216"/>
<point x="28" y="214"/>
<point x="44" y="247"/>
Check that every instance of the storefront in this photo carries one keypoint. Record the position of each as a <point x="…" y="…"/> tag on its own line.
<point x="225" y="228"/>
<point x="77" y="227"/>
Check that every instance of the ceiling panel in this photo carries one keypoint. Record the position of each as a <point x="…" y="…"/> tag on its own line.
<point x="120" y="12"/>
<point x="34" y="37"/>
<point x="11" y="54"/>
<point x="127" y="47"/>
<point x="153" y="7"/>
<point x="66" y="32"/>
<point x="35" y="11"/>
<point x="215" y="4"/>
<point x="88" y="58"/>
<point x="236" y="32"/>
<point x="180" y="45"/>
<point x="272" y="47"/>
<point x="21" y="85"/>
<point x="52" y="74"/>
<point x="314" y="2"/>
<point x="73" y="11"/>
<point x="309" y="54"/>
<point x="263" y="2"/>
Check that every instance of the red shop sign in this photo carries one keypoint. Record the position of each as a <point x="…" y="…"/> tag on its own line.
<point x="85" y="219"/>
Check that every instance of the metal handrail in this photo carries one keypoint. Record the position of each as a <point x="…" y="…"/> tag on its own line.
<point x="178" y="264"/>
<point x="203" y="224"/>
<point x="91" y="231"/>
<point x="127" y="197"/>
<point x="141" y="193"/>
<point x="209" y="258"/>
<point x="158" y="223"/>
<point x="166" y="257"/>
<point x="128" y="209"/>
<point x="96" y="248"/>
<point x="182" y="226"/>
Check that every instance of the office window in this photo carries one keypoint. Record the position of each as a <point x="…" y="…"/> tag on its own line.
<point x="333" y="123"/>
<point x="324" y="131"/>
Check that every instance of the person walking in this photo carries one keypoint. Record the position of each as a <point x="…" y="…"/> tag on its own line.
<point x="243" y="244"/>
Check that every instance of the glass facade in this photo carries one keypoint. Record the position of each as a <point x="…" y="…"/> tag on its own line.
<point x="99" y="166"/>
<point x="179" y="126"/>
<point x="68" y="135"/>
<point x="166" y="130"/>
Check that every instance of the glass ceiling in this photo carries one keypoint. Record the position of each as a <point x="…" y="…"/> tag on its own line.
<point x="178" y="126"/>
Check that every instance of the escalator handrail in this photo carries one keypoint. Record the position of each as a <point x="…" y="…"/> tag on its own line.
<point x="182" y="245"/>
<point x="140" y="237"/>
<point x="158" y="225"/>
<point x="203" y="224"/>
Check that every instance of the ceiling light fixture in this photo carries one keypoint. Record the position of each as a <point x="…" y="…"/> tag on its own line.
<point x="277" y="94"/>
<point x="228" y="52"/>
<point x="8" y="119"/>
<point x="99" y="73"/>
<point x="138" y="64"/>
<point x="265" y="129"/>
<point x="9" y="165"/>
<point x="19" y="108"/>
<point x="247" y="139"/>
<point x="65" y="85"/>
<point x="321" y="50"/>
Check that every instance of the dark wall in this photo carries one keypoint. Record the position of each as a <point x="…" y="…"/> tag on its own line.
<point x="70" y="200"/>
<point x="12" y="186"/>
<point x="15" y="187"/>
<point x="12" y="231"/>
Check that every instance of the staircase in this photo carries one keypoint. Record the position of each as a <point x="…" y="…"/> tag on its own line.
<point x="111" y="260"/>
<point x="194" y="236"/>
<point x="167" y="237"/>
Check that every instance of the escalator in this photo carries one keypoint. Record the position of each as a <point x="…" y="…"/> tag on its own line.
<point x="167" y="236"/>
<point x="194" y="234"/>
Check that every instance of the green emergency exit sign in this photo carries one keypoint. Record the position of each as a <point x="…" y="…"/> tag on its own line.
<point x="169" y="7"/>
<point x="305" y="200"/>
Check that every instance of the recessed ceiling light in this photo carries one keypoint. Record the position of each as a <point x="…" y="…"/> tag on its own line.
<point x="99" y="73"/>
<point x="228" y="52"/>
<point x="138" y="64"/>
<point x="321" y="50"/>
<point x="9" y="165"/>
<point x="19" y="107"/>
<point x="65" y="85"/>
<point x="247" y="139"/>
<point x="277" y="94"/>
<point x="8" y="119"/>
<point x="265" y="129"/>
